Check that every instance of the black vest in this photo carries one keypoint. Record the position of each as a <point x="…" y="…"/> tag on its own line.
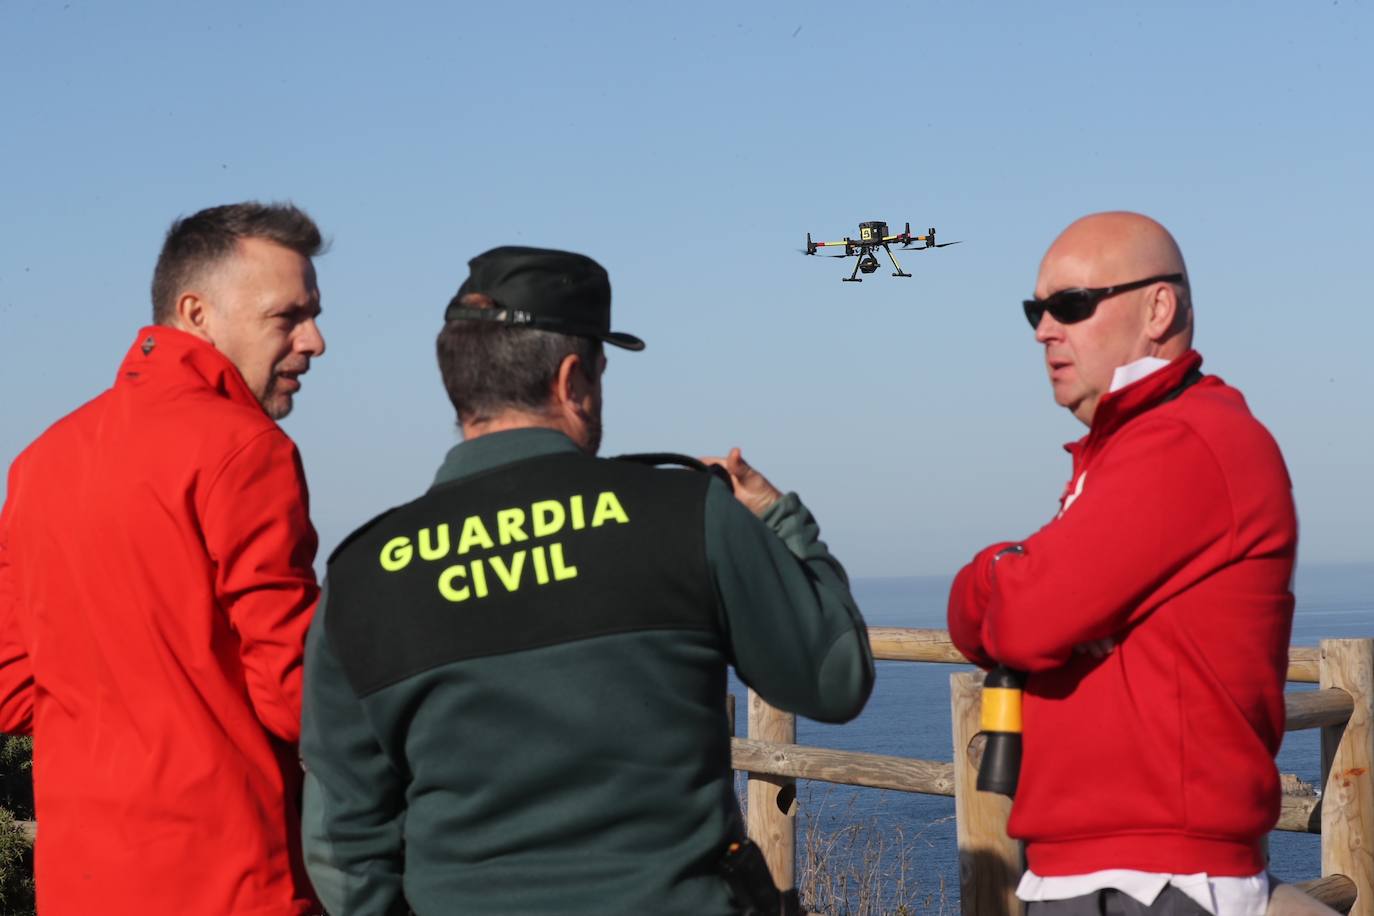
<point x="535" y="553"/>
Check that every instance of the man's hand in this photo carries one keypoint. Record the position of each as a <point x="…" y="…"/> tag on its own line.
<point x="751" y="487"/>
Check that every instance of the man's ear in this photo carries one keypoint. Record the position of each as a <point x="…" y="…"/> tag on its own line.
<point x="1162" y="317"/>
<point x="570" y="384"/>
<point x="192" y="314"/>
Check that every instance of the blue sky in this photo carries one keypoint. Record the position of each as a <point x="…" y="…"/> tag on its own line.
<point x="689" y="148"/>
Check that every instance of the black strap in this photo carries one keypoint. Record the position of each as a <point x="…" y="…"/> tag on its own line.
<point x="658" y="459"/>
<point x="1192" y="378"/>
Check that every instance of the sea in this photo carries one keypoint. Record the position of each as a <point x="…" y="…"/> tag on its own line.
<point x="884" y="850"/>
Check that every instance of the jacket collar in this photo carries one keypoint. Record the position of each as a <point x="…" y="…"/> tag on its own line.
<point x="1117" y="408"/>
<point x="164" y="354"/>
<point x="495" y="449"/>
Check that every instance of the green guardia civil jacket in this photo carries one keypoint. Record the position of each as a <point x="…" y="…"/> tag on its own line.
<point x="515" y="685"/>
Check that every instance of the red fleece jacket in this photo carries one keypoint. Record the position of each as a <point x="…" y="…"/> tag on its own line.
<point x="1176" y="538"/>
<point x="155" y="589"/>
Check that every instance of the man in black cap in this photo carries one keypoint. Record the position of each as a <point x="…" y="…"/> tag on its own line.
<point x="515" y="688"/>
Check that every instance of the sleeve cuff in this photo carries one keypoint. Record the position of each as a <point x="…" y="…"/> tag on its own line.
<point x="792" y="521"/>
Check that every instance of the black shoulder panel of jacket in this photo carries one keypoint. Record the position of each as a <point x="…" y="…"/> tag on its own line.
<point x="537" y="553"/>
<point x="657" y="459"/>
<point x="357" y="533"/>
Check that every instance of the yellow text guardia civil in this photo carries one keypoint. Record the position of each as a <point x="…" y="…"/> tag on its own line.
<point x="546" y="562"/>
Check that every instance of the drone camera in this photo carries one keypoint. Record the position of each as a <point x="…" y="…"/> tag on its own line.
<point x="868" y="264"/>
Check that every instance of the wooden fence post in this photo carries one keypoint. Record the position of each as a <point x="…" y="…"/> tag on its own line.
<point x="1347" y="759"/>
<point x="772" y="800"/>
<point x="989" y="860"/>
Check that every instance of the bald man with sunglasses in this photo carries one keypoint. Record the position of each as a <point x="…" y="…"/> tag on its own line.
<point x="1152" y="613"/>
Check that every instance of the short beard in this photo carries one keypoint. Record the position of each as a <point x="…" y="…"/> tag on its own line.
<point x="276" y="403"/>
<point x="592" y="445"/>
<point x="278" y="409"/>
<point x="589" y="435"/>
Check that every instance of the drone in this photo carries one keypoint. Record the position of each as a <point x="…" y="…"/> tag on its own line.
<point x="872" y="236"/>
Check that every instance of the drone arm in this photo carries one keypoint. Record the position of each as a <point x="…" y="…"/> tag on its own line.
<point x="905" y="236"/>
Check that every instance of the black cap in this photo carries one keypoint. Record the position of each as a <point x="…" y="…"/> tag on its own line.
<point x="542" y="288"/>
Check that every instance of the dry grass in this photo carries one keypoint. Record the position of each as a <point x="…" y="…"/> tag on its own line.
<point x="861" y="866"/>
<point x="852" y="865"/>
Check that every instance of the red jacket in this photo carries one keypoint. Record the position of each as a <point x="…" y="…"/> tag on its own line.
<point x="155" y="589"/>
<point x="1176" y="538"/>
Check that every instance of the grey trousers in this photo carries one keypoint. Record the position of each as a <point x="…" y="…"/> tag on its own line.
<point x="1111" y="902"/>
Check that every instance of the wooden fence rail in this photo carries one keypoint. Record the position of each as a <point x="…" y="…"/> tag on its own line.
<point x="990" y="863"/>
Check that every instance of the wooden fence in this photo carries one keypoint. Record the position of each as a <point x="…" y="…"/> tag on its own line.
<point x="989" y="862"/>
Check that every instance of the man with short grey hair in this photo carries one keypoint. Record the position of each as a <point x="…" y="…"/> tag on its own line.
<point x="156" y="583"/>
<point x="515" y="691"/>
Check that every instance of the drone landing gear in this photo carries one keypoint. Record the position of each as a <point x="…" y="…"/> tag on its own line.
<point x="854" y="277"/>
<point x="897" y="267"/>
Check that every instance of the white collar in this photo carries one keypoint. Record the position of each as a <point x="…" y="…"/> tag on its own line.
<point x="1134" y="372"/>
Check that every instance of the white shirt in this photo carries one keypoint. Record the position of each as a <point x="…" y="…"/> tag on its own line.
<point x="1134" y="372"/>
<point x="1219" y="896"/>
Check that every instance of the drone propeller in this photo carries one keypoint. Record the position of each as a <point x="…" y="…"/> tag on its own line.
<point x="910" y="247"/>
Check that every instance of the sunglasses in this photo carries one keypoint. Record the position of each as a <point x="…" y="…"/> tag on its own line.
<point x="1076" y="304"/>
